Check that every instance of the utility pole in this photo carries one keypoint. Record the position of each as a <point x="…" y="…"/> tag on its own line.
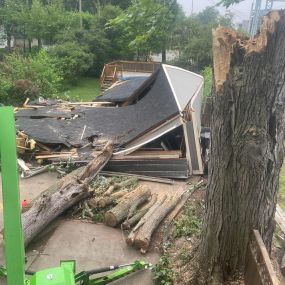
<point x="80" y="11"/>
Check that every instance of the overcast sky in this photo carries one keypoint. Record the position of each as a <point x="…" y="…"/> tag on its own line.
<point x="241" y="10"/>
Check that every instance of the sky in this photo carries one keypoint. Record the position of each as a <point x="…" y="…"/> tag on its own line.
<point x="241" y="10"/>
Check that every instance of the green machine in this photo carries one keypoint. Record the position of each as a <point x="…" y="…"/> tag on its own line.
<point x="14" y="271"/>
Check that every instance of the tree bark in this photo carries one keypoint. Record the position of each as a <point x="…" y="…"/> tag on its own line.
<point x="67" y="192"/>
<point x="127" y="203"/>
<point x="246" y="151"/>
<point x="106" y="201"/>
<point x="135" y="218"/>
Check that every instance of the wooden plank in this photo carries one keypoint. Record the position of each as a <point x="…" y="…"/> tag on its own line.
<point x="180" y="161"/>
<point x="56" y="156"/>
<point x="259" y="269"/>
<point x="158" y="154"/>
<point x="140" y="177"/>
<point x="167" y="174"/>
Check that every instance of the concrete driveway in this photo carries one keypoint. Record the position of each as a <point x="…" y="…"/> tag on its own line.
<point x="91" y="245"/>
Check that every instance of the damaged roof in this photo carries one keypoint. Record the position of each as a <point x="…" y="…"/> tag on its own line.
<point x="125" y="90"/>
<point x="122" y="124"/>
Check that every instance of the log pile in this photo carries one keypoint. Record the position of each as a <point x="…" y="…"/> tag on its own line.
<point x="138" y="210"/>
<point x="116" y="201"/>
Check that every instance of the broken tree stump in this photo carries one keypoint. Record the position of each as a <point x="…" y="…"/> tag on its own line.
<point x="141" y="235"/>
<point x="121" y="211"/>
<point x="68" y="191"/>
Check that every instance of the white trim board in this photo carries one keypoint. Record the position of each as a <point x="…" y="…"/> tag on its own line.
<point x="181" y="87"/>
<point x="151" y="136"/>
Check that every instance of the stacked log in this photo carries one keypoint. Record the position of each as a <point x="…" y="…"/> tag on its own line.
<point x="140" y="236"/>
<point x="127" y="205"/>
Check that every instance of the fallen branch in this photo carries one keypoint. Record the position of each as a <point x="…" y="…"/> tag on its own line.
<point x="61" y="196"/>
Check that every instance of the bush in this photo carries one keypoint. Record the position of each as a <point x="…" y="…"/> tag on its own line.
<point x="72" y="59"/>
<point x="28" y="76"/>
<point x="208" y="81"/>
<point x="162" y="272"/>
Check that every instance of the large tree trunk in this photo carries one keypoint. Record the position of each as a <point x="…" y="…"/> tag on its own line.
<point x="67" y="192"/>
<point x="246" y="146"/>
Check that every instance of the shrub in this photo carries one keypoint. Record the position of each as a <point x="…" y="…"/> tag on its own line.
<point x="208" y="81"/>
<point x="28" y="76"/>
<point x="72" y="59"/>
<point x="162" y="272"/>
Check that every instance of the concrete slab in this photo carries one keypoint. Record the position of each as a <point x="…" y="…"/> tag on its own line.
<point x="31" y="187"/>
<point x="92" y="246"/>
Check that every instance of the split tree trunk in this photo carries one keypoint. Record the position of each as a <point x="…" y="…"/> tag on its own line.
<point x="67" y="192"/>
<point x="246" y="146"/>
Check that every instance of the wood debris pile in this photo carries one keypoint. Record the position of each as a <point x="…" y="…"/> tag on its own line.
<point x="123" y="202"/>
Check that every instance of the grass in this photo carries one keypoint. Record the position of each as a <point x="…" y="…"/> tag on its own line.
<point x="84" y="90"/>
<point x="281" y="194"/>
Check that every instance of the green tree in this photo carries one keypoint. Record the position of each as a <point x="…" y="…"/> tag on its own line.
<point x="44" y="22"/>
<point x="11" y="18"/>
<point x="196" y="38"/>
<point x="147" y="25"/>
<point x="228" y="3"/>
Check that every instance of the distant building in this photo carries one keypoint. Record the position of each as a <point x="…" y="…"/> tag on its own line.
<point x="170" y="56"/>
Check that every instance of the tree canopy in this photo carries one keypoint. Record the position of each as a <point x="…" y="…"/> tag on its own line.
<point x="110" y="30"/>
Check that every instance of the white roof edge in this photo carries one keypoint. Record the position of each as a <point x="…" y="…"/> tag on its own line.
<point x="171" y="125"/>
<point x="182" y="69"/>
<point x="171" y="86"/>
<point x="164" y="66"/>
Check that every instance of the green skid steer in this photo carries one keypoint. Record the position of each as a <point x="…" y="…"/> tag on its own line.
<point x="14" y="271"/>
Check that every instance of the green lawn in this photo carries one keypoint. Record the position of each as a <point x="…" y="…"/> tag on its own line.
<point x="85" y="89"/>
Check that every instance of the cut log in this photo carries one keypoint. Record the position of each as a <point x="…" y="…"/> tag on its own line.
<point x="61" y="196"/>
<point x="106" y="201"/>
<point x="143" y="234"/>
<point x="148" y="215"/>
<point x="134" y="219"/>
<point x="121" y="211"/>
<point x="124" y="184"/>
